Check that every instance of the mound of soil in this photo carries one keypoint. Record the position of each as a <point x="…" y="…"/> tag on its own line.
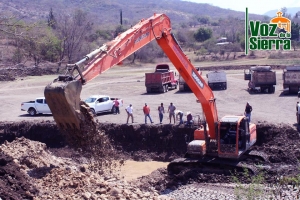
<point x="28" y="170"/>
<point x="20" y="70"/>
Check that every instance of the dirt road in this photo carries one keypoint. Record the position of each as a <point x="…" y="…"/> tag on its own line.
<point x="128" y="83"/>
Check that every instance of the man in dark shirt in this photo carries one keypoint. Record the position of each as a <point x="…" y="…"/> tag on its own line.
<point x="248" y="111"/>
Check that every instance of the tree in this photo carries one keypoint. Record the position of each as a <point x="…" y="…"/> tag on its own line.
<point x="209" y="44"/>
<point x="203" y="34"/>
<point x="51" y="20"/>
<point x="119" y="29"/>
<point x="182" y="36"/>
<point x="43" y="46"/>
<point x="284" y="12"/>
<point x="295" y="31"/>
<point x="72" y="31"/>
<point x="204" y="19"/>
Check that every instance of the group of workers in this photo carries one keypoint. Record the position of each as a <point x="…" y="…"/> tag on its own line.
<point x="174" y="114"/>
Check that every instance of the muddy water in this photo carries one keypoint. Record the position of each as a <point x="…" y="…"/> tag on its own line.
<point x="133" y="169"/>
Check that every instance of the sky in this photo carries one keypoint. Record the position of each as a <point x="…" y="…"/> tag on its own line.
<point x="254" y="6"/>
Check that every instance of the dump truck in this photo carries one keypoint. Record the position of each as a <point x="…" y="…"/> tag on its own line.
<point x="261" y="79"/>
<point x="217" y="80"/>
<point x="291" y="79"/>
<point x="183" y="86"/>
<point x="161" y="79"/>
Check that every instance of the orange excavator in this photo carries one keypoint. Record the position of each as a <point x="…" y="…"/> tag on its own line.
<point x="216" y="142"/>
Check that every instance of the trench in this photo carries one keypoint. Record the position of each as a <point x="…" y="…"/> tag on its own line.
<point x="139" y="142"/>
<point x="167" y="142"/>
<point x="148" y="142"/>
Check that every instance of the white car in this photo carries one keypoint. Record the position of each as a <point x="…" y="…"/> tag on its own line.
<point x="102" y="103"/>
<point x="39" y="106"/>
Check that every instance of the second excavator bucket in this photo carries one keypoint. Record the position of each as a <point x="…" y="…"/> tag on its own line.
<point x="71" y="115"/>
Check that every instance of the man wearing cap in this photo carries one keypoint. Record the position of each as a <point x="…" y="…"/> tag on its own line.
<point x="146" y="110"/>
<point x="129" y="111"/>
<point x="248" y="111"/>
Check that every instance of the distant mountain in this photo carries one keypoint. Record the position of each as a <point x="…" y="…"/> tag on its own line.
<point x="292" y="11"/>
<point x="108" y="11"/>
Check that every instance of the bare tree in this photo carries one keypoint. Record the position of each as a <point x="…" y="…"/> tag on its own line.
<point x="72" y="30"/>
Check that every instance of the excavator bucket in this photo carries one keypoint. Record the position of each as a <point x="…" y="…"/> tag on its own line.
<point x="71" y="115"/>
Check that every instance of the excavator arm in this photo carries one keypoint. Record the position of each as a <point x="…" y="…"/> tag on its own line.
<point x="63" y="94"/>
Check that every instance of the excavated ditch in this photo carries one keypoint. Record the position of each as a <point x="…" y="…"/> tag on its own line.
<point x="141" y="142"/>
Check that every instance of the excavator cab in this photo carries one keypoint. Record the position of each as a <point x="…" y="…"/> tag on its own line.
<point x="236" y="136"/>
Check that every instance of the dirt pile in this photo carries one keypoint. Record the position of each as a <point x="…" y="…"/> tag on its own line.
<point x="35" y="171"/>
<point x="20" y="70"/>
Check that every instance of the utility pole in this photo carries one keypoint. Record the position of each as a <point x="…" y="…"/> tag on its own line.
<point x="121" y="20"/>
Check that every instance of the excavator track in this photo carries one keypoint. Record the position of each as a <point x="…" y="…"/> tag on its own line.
<point x="209" y="165"/>
<point x="72" y="116"/>
<point x="253" y="161"/>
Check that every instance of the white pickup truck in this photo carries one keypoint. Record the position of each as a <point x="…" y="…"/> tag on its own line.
<point x="102" y="103"/>
<point x="39" y="106"/>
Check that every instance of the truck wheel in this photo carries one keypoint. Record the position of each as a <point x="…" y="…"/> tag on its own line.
<point x="32" y="111"/>
<point x="148" y="90"/>
<point x="167" y="88"/>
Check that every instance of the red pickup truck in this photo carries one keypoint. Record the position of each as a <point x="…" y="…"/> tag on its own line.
<point x="161" y="80"/>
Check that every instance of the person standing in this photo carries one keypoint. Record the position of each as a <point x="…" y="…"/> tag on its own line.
<point x="171" y="111"/>
<point x="116" y="104"/>
<point x="129" y="111"/>
<point x="146" y="110"/>
<point x="248" y="111"/>
<point x="298" y="112"/>
<point x="161" y="111"/>
<point x="179" y="114"/>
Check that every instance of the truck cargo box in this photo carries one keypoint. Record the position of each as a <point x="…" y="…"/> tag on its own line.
<point x="261" y="78"/>
<point x="161" y="80"/>
<point x="291" y="79"/>
<point x="217" y="80"/>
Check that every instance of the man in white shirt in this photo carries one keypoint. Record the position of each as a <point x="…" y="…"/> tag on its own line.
<point x="171" y="111"/>
<point x="129" y="111"/>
